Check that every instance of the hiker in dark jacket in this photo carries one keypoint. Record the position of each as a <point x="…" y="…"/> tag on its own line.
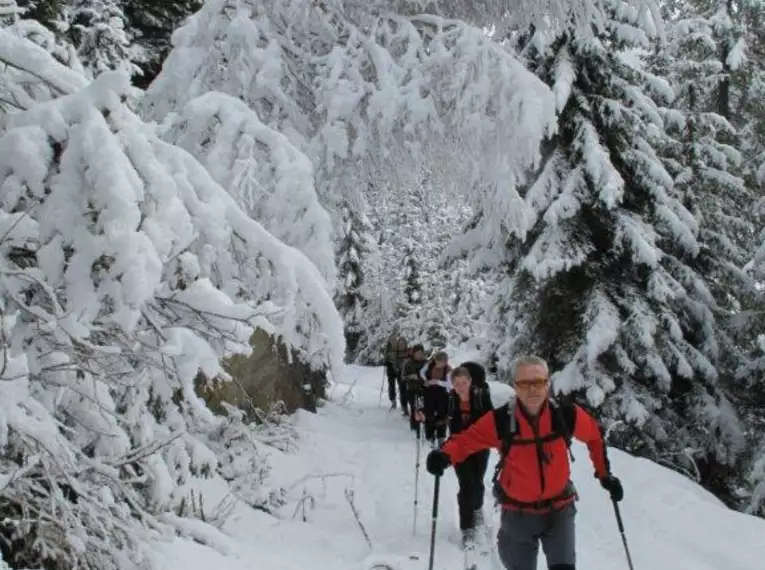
<point x="414" y="384"/>
<point x="467" y="403"/>
<point x="436" y="375"/>
<point x="396" y="352"/>
<point x="534" y="484"/>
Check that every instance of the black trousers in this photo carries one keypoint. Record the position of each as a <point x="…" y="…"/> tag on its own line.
<point x="395" y="381"/>
<point x="436" y="410"/>
<point x="390" y="372"/>
<point x="470" y="474"/>
<point x="415" y="403"/>
<point x="403" y="394"/>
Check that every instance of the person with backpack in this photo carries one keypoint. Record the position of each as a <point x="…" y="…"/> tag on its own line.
<point x="396" y="352"/>
<point x="414" y="385"/>
<point x="533" y="479"/>
<point x="468" y="401"/>
<point x="436" y="375"/>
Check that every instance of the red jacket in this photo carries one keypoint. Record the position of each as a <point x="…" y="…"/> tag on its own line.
<point x="537" y="469"/>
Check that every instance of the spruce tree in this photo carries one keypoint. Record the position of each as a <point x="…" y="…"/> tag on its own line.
<point x="97" y="28"/>
<point x="350" y="298"/>
<point x="599" y="262"/>
<point x="700" y="149"/>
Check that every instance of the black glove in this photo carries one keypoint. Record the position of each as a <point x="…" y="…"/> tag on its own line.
<point x="614" y="487"/>
<point x="437" y="462"/>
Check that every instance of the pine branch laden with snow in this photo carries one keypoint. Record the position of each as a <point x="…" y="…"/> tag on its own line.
<point x="430" y="91"/>
<point x="265" y="174"/>
<point x="97" y="29"/>
<point x="29" y="74"/>
<point x="241" y="57"/>
<point x="755" y="477"/>
<point x="700" y="150"/>
<point x="9" y="12"/>
<point x="363" y="85"/>
<point x="383" y="93"/>
<point x="502" y="15"/>
<point x="750" y="376"/>
<point x="243" y="462"/>
<point x="126" y="271"/>
<point x="598" y="275"/>
<point x="710" y="62"/>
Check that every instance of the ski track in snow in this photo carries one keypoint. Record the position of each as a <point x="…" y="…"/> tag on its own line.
<point x="359" y="445"/>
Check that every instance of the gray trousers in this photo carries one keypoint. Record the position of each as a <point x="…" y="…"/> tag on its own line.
<point x="520" y="534"/>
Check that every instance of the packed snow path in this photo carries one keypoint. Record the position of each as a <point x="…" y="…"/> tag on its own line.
<point x="356" y="448"/>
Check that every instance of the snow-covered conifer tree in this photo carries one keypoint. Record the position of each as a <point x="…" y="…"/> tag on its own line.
<point x="597" y="250"/>
<point x="411" y="277"/>
<point x="351" y="298"/>
<point x="751" y="376"/>
<point x="97" y="29"/>
<point x="699" y="149"/>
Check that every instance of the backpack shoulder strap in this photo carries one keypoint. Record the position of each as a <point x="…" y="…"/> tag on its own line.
<point x="507" y="428"/>
<point x="563" y="420"/>
<point x="475" y="399"/>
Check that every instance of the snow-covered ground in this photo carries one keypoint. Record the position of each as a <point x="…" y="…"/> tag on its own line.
<point x="354" y="446"/>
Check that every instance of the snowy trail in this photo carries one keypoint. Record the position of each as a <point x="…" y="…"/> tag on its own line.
<point x="352" y="444"/>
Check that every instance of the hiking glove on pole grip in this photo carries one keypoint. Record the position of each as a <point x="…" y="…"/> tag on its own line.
<point x="437" y="462"/>
<point x="614" y="487"/>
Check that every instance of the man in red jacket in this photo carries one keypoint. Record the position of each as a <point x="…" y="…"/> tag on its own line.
<point x="534" y="485"/>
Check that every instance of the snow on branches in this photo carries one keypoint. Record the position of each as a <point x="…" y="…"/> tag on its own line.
<point x="598" y="248"/>
<point x="360" y="85"/>
<point x="125" y="270"/>
<point x="29" y="74"/>
<point x="266" y="175"/>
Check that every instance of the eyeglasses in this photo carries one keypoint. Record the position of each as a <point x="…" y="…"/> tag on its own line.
<point x="538" y="383"/>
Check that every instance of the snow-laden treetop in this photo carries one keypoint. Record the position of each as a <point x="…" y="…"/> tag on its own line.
<point x="125" y="217"/>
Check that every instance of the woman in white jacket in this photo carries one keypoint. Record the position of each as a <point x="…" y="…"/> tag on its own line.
<point x="438" y="382"/>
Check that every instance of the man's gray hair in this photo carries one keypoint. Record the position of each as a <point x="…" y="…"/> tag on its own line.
<point x="530" y="360"/>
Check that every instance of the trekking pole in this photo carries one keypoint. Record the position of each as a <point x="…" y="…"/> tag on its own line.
<point x="620" y="524"/>
<point x="436" y="488"/>
<point x="416" y="481"/>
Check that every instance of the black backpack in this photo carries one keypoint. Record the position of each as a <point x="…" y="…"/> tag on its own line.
<point x="476" y="396"/>
<point x="477" y="374"/>
<point x="563" y="418"/>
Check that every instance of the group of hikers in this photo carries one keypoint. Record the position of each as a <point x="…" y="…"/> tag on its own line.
<point x="532" y="481"/>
